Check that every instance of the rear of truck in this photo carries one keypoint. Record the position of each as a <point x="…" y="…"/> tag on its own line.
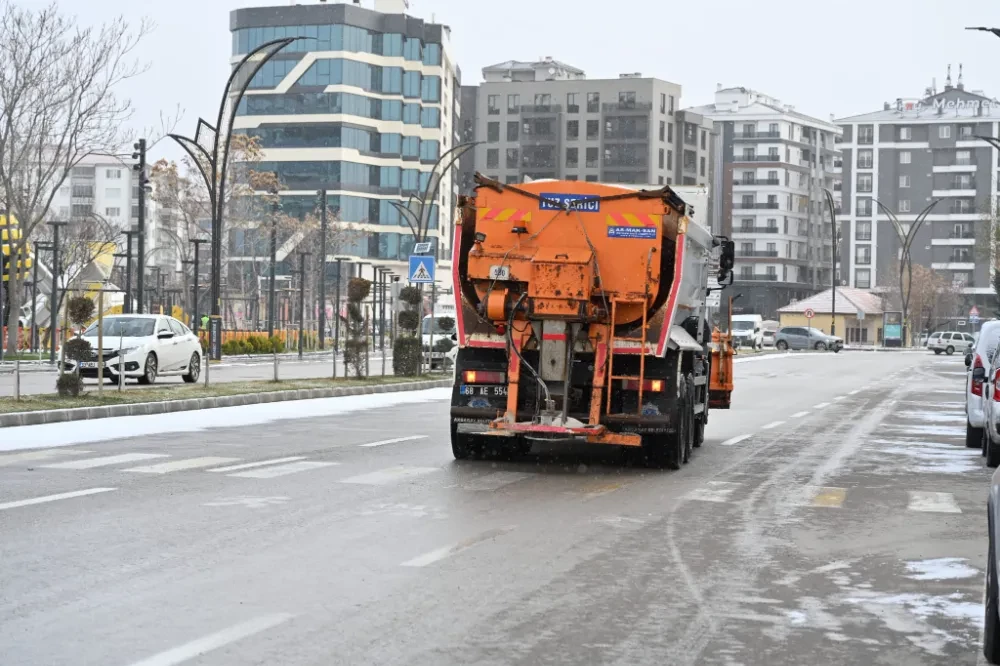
<point x="582" y="317"/>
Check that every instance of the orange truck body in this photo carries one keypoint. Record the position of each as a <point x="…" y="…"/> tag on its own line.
<point x="588" y="301"/>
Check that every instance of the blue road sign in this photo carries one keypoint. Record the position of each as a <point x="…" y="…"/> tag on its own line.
<point x="421" y="269"/>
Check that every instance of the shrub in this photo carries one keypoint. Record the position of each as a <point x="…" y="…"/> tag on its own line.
<point x="410" y="295"/>
<point x="443" y="345"/>
<point x="408" y="320"/>
<point x="446" y="323"/>
<point x="358" y="289"/>
<point x="77" y="349"/>
<point x="80" y="310"/>
<point x="69" y="385"/>
<point x="406" y="356"/>
<point x="277" y="345"/>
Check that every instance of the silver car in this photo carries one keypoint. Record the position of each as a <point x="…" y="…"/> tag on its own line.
<point x="806" y="337"/>
<point x="949" y="342"/>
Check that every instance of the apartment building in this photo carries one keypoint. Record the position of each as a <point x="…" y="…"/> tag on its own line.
<point x="776" y="164"/>
<point x="546" y="119"/>
<point x="362" y="109"/>
<point x="907" y="155"/>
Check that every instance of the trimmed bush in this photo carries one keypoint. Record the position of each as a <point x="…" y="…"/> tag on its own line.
<point x="408" y="320"/>
<point x="80" y="310"/>
<point x="77" y="349"/>
<point x="443" y="345"/>
<point x="406" y="356"/>
<point x="410" y="295"/>
<point x="358" y="289"/>
<point x="446" y="323"/>
<point x="69" y="384"/>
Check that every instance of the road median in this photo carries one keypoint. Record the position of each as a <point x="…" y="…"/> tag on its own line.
<point x="39" y="409"/>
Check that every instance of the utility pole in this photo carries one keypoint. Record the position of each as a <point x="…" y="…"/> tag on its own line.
<point x="129" y="300"/>
<point x="322" y="268"/>
<point x="34" y="297"/>
<point x="140" y="169"/>
<point x="54" y="292"/>
<point x="302" y="298"/>
<point x="336" y="313"/>
<point x="274" y="268"/>
<point x="194" y="310"/>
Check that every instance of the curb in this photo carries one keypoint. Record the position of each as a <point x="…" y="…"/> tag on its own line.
<point x="191" y="404"/>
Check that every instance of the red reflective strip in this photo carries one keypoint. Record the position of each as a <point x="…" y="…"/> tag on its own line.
<point x="489" y="213"/>
<point x="647" y="220"/>
<point x="620" y="219"/>
<point x="489" y="344"/>
<point x="456" y="247"/>
<point x="554" y="336"/>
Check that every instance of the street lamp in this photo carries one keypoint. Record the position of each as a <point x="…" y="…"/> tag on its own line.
<point x="209" y="150"/>
<point x="835" y="234"/>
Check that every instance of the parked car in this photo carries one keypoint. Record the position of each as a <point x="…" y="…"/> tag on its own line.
<point x="982" y="394"/>
<point x="806" y="337"/>
<point x="991" y="630"/>
<point x="948" y="342"/>
<point x="148" y="346"/>
<point x="748" y="331"/>
<point x="767" y="338"/>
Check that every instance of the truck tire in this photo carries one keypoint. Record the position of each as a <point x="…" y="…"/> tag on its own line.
<point x="465" y="446"/>
<point x="689" y="434"/>
<point x="669" y="451"/>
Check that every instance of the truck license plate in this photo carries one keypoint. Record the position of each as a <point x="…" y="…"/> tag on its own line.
<point x="500" y="272"/>
<point x="488" y="391"/>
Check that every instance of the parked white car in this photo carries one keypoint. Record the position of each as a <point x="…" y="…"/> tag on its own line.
<point x="149" y="346"/>
<point x="949" y="342"/>
<point x="981" y="385"/>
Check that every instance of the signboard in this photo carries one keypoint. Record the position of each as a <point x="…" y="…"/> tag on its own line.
<point x="632" y="232"/>
<point x="809" y="313"/>
<point x="421" y="248"/>
<point x="892" y="329"/>
<point x="585" y="203"/>
<point x="421" y="269"/>
<point x="215" y="338"/>
<point x="973" y="315"/>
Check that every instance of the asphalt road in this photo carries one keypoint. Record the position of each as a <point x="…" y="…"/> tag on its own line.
<point x="41" y="379"/>
<point x="833" y="516"/>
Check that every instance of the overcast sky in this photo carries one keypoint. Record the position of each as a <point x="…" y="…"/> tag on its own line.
<point x="841" y="58"/>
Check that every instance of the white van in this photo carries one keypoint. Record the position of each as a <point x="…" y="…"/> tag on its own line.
<point x="748" y="331"/>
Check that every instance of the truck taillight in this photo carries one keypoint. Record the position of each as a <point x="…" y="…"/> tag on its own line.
<point x="654" y="385"/>
<point x="977" y="384"/>
<point x="484" y="377"/>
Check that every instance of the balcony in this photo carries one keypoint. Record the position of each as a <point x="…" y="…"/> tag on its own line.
<point x="757" y="253"/>
<point x="592" y="164"/>
<point x="627" y="107"/>
<point x="572" y="108"/>
<point x="755" y="136"/>
<point x="953" y="193"/>
<point x="541" y="108"/>
<point x="758" y="181"/>
<point x="866" y="139"/>
<point x="756" y="230"/>
<point x="493" y="111"/>
<point x="758" y="158"/>
<point x="757" y="277"/>
<point x="962" y="234"/>
<point x="759" y="205"/>
<point x="611" y="163"/>
<point x="956" y="166"/>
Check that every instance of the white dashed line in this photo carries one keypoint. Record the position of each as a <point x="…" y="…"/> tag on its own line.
<point x="933" y="502"/>
<point x="441" y="553"/>
<point x="199" y="647"/>
<point x="735" y="440"/>
<point x="799" y="415"/>
<point x="282" y="470"/>
<point x="179" y="465"/>
<point x="393" y="441"/>
<point x="259" y="463"/>
<point x="53" y="498"/>
<point x="772" y="424"/>
<point x="104" y="461"/>
<point x="821" y="405"/>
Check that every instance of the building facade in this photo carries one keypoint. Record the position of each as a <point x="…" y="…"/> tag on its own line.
<point x="362" y="109"/>
<point x="909" y="154"/>
<point x="776" y="165"/>
<point x="545" y="119"/>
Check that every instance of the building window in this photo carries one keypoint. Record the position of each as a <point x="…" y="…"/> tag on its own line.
<point x="944" y="131"/>
<point x="511" y="180"/>
<point x="492" y="132"/>
<point x="904" y="205"/>
<point x="626" y="100"/>
<point x="573" y="129"/>
<point x="593" y="102"/>
<point x="572" y="157"/>
<point x="701" y="166"/>
<point x="572" y="105"/>
<point x="113" y="174"/>
<point x="863" y="231"/>
<point x="662" y="158"/>
<point x="593" y="129"/>
<point x="591" y="179"/>
<point x="864" y="207"/>
<point x="670" y="105"/>
<point x="659" y="180"/>
<point x="512" y="155"/>
<point x="963" y="157"/>
<point x="772" y="130"/>
<point x="863" y="278"/>
<point x="112" y="212"/>
<point x="670" y="159"/>
<point x="663" y="102"/>
<point x="663" y="131"/>
<point x="592" y="157"/>
<point x="513" y="130"/>
<point x="865" y="159"/>
<point x="493" y="105"/>
<point x="572" y="176"/>
<point x="513" y="103"/>
<point x="965" y="131"/>
<point x="493" y="158"/>
<point x="543" y="100"/>
<point x="704" y="139"/>
<point x="866" y="134"/>
<point x="863" y="255"/>
<point x="905" y="133"/>
<point x="905" y="157"/>
<point x="670" y="132"/>
<point x="904" y="181"/>
<point x="864" y="182"/>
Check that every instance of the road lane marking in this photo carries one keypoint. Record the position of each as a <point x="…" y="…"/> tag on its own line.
<point x="54" y="498"/>
<point x="178" y="465"/>
<point x="282" y="470"/>
<point x="393" y="441"/>
<point x="713" y="491"/>
<point x="602" y="488"/>
<point x="821" y="405"/>
<point x="200" y="646"/>
<point x="772" y="424"/>
<point x="799" y="415"/>
<point x="248" y="502"/>
<point x="828" y="497"/>
<point x="104" y="461"/>
<point x="441" y="553"/>
<point x="384" y="477"/>
<point x="735" y="440"/>
<point x="932" y="502"/>
<point x="493" y="481"/>
<point x="259" y="463"/>
<point x="31" y="456"/>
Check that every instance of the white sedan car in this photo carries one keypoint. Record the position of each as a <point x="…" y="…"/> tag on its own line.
<point x="148" y="346"/>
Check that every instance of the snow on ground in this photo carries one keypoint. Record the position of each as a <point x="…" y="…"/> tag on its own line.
<point x="80" y="432"/>
<point x="944" y="568"/>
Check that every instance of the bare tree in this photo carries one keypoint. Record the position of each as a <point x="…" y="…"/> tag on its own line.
<point x="57" y="105"/>
<point x="933" y="300"/>
<point x="987" y="245"/>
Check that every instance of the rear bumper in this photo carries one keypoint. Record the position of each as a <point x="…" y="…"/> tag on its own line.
<point x="616" y="423"/>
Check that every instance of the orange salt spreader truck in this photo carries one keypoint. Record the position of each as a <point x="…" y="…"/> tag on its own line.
<point x="582" y="317"/>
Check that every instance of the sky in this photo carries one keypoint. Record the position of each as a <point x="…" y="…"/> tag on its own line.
<point x="842" y="58"/>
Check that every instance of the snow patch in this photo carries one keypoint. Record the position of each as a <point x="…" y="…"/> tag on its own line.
<point x="67" y="434"/>
<point x="937" y="417"/>
<point x="928" y="430"/>
<point x="910" y="613"/>
<point x="944" y="568"/>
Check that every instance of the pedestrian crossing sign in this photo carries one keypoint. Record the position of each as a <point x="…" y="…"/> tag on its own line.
<point x="421" y="269"/>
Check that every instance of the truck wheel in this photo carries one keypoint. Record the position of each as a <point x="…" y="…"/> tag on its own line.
<point x="465" y="446"/>
<point x="689" y="434"/>
<point x="668" y="451"/>
<point x="699" y="431"/>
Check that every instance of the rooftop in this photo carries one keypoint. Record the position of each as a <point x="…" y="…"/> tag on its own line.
<point x="850" y="301"/>
<point x="737" y="101"/>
